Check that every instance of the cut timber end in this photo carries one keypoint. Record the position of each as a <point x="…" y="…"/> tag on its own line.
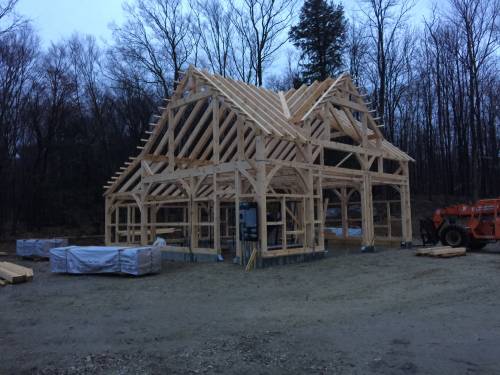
<point x="442" y="251"/>
<point x="13" y="275"/>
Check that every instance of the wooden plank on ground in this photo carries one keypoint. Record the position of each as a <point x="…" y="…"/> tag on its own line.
<point x="251" y="261"/>
<point x="28" y="272"/>
<point x="442" y="251"/>
<point x="11" y="276"/>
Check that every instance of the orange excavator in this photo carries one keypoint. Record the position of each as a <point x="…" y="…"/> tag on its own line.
<point x="462" y="225"/>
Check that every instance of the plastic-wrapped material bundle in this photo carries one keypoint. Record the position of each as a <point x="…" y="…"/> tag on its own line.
<point x="38" y="247"/>
<point x="105" y="259"/>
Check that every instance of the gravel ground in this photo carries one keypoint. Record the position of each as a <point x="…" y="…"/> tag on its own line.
<point x="383" y="313"/>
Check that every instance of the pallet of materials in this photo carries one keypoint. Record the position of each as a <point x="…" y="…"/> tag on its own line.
<point x="105" y="259"/>
<point x="442" y="251"/>
<point x="13" y="273"/>
<point x="38" y="248"/>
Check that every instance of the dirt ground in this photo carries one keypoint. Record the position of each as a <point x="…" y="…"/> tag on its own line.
<point x="383" y="313"/>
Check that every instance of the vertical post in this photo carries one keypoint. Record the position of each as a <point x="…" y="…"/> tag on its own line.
<point x="117" y="223"/>
<point x="389" y="221"/>
<point x="344" y="212"/>
<point x="283" y="225"/>
<point x="216" y="217"/>
<point x="237" y="192"/>
<point x="260" y="156"/>
<point x="153" y="213"/>
<point x="320" y="215"/>
<point x="367" y="213"/>
<point x="107" y="221"/>
<point x="193" y="216"/>
<point x="406" y="207"/>
<point x="128" y="224"/>
<point x="144" y="223"/>
<point x="132" y="223"/>
<point x="143" y="207"/>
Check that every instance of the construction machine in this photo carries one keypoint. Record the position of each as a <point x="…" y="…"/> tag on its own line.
<point x="463" y="225"/>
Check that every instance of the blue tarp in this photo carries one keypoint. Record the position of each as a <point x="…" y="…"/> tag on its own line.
<point x="38" y="247"/>
<point x="105" y="259"/>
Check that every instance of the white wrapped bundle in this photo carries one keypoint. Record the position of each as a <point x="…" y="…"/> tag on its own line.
<point x="38" y="247"/>
<point x="105" y="259"/>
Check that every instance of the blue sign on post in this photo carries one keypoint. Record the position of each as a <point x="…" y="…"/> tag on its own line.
<point x="249" y="223"/>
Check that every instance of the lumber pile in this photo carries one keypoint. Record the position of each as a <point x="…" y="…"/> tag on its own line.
<point x="33" y="248"/>
<point x="105" y="259"/>
<point x="13" y="273"/>
<point x="442" y="251"/>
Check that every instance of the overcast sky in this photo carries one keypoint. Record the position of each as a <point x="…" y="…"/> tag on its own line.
<point x="56" y="19"/>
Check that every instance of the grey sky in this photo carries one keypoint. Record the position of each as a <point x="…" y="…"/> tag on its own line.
<point x="56" y="19"/>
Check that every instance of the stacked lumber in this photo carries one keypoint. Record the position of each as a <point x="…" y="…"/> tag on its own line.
<point x="442" y="251"/>
<point x="13" y="273"/>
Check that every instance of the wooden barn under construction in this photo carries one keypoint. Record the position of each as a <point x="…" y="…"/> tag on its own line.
<point x="296" y="162"/>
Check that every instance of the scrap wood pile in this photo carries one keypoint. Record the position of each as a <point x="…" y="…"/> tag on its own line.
<point x="13" y="273"/>
<point x="442" y="251"/>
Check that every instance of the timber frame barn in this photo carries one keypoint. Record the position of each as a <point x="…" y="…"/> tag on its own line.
<point x="219" y="143"/>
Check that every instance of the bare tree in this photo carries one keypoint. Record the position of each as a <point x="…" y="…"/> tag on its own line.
<point x="385" y="19"/>
<point x="9" y="19"/>
<point x="157" y="35"/>
<point x="18" y="53"/>
<point x="215" y="29"/>
<point x="357" y="51"/>
<point x="477" y="23"/>
<point x="261" y="25"/>
<point x="289" y="77"/>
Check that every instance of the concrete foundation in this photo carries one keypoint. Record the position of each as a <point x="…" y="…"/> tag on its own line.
<point x="188" y="258"/>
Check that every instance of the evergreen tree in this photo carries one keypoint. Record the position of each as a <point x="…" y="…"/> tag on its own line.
<point x="320" y="36"/>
